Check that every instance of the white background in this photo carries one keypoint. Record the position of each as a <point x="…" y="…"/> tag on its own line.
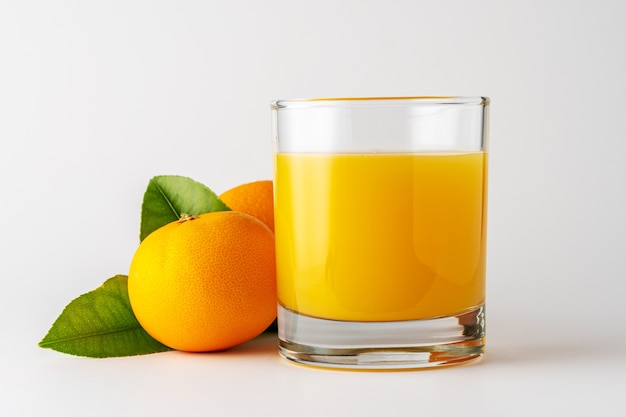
<point x="96" y="97"/>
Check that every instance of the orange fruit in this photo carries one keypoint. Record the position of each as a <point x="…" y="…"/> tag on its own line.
<point x="205" y="283"/>
<point x="253" y="198"/>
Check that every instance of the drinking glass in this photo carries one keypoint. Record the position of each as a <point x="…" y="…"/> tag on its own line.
<point x="380" y="221"/>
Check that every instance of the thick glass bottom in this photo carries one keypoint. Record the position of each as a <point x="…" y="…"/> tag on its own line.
<point x="382" y="345"/>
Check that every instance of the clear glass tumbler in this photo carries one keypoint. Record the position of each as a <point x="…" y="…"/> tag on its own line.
<point x="380" y="220"/>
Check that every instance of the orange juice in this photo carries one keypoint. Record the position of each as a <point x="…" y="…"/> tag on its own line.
<point x="380" y="237"/>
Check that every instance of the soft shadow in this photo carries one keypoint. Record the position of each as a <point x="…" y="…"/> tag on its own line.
<point x="264" y="344"/>
<point x="557" y="346"/>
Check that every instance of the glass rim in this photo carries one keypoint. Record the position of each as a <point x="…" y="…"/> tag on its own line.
<point x="374" y="101"/>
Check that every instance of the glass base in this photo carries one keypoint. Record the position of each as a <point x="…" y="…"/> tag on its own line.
<point x="382" y="345"/>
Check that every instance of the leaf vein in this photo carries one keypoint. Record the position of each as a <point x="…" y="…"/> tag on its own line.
<point x="89" y="335"/>
<point x="167" y="200"/>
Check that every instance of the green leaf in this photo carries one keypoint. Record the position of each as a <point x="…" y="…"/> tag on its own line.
<point x="169" y="196"/>
<point x="101" y="324"/>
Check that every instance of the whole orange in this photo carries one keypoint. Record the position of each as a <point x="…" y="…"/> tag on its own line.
<point x="205" y="283"/>
<point x="253" y="198"/>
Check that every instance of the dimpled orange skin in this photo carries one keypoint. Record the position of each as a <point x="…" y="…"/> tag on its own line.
<point x="205" y="284"/>
<point x="253" y="198"/>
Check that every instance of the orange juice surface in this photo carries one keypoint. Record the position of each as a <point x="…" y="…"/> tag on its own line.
<point x="380" y="237"/>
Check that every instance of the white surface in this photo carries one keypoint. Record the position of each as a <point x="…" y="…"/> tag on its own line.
<point x="97" y="97"/>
